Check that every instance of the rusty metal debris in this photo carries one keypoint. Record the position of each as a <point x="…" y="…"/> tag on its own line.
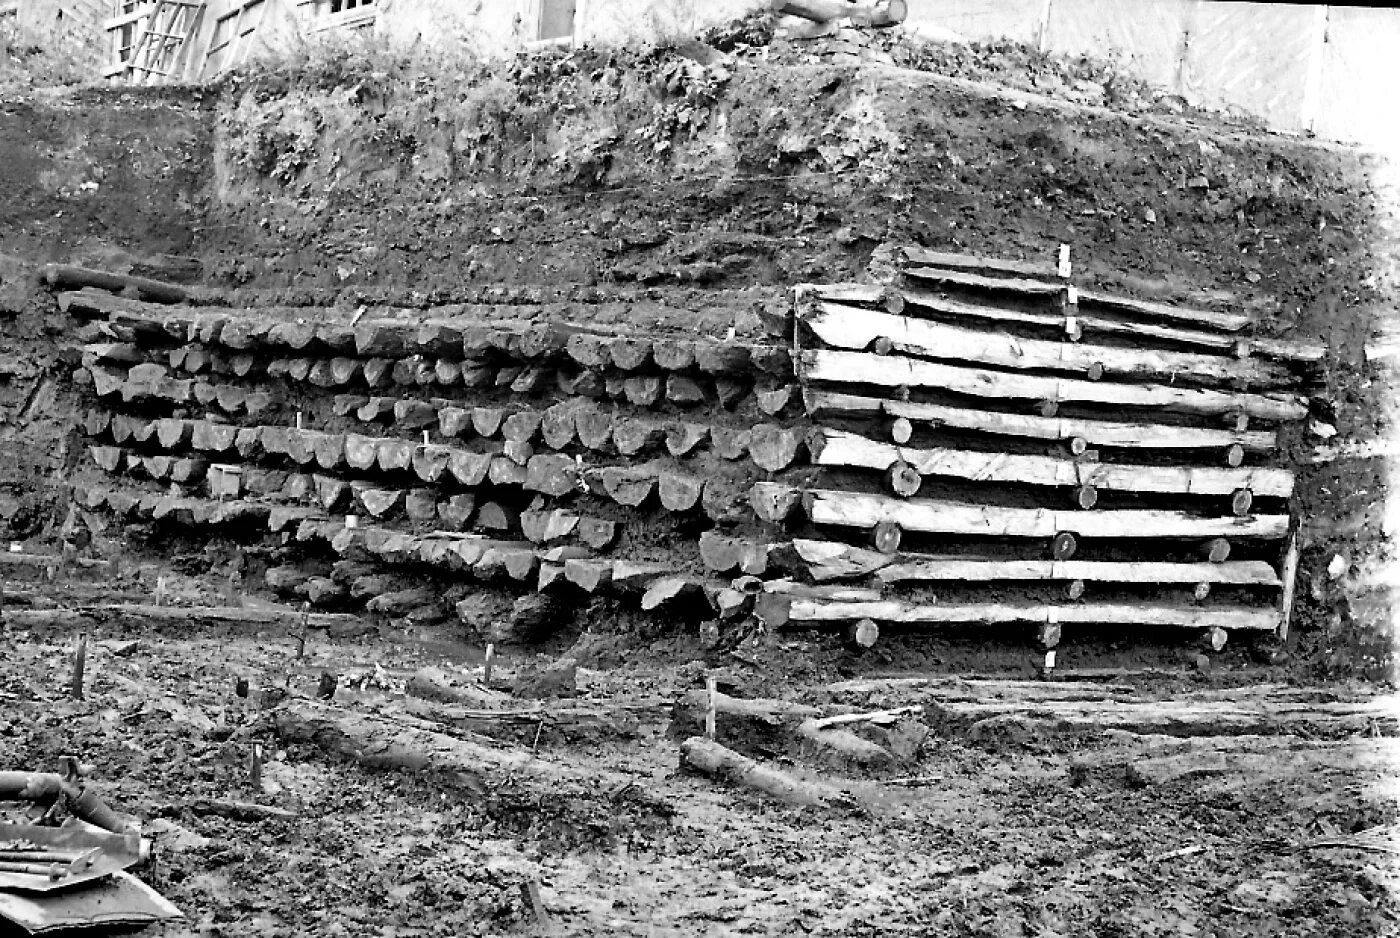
<point x="66" y="865"/>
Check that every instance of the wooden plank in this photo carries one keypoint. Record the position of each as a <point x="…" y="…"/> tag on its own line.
<point x="839" y="448"/>
<point x="847" y="327"/>
<point x="975" y="264"/>
<point x="1290" y="584"/>
<point x="1227" y="322"/>
<point x="816" y="611"/>
<point x="916" y="569"/>
<point x="1093" y="432"/>
<point x="894" y="371"/>
<point x="938" y="516"/>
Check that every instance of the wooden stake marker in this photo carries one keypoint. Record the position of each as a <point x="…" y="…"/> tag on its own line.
<point x="710" y="700"/>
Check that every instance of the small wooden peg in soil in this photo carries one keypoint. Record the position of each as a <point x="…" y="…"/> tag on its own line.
<point x="1074" y="589"/>
<point x="75" y="684"/>
<point x="487" y="663"/>
<point x="1086" y="497"/>
<point x="901" y="430"/>
<point x="1064" y="268"/>
<point x="1215" y="638"/>
<point x="1063" y="546"/>
<point x="709" y="707"/>
<point x="255" y="764"/>
<point x="862" y="635"/>
<point x="1049" y="635"/>
<point x="1241" y="501"/>
<point x="886" y="537"/>
<point x="1217" y="550"/>
<point x="903" y="479"/>
<point x="1234" y="456"/>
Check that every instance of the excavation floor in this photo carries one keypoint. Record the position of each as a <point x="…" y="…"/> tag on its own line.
<point x="1006" y="833"/>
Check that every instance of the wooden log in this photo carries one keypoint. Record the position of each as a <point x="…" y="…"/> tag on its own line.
<point x="921" y="569"/>
<point x="626" y="486"/>
<point x="493" y="516"/>
<point x="430" y="462"/>
<point x="773" y="502"/>
<point x="632" y="437"/>
<point x="721" y="358"/>
<point x="1217" y="549"/>
<point x="673" y="354"/>
<point x="885" y="537"/>
<point x="774" y="448"/>
<point x="684" y="391"/>
<point x="467" y="468"/>
<point x="394" y="456"/>
<point x="708" y="756"/>
<point x="1063" y="545"/>
<point x="862" y="635"/>
<point x="71" y="277"/>
<point x="804" y="611"/>
<point x="896" y="371"/>
<point x="1096" y="432"/>
<point x="731" y="443"/>
<point x="731" y="392"/>
<point x="517" y="452"/>
<point x="598" y="533"/>
<point x="456" y="511"/>
<point x="774" y="402"/>
<point x="588" y="575"/>
<point x="945" y="517"/>
<point x="629" y="354"/>
<point x="411" y="414"/>
<point x="831" y="560"/>
<point x="594" y="428"/>
<point x="542" y="527"/>
<point x="455" y="422"/>
<point x="552" y="474"/>
<point x="732" y="604"/>
<point x="902" y="479"/>
<point x="506" y="471"/>
<point x="382" y="743"/>
<point x="847" y="327"/>
<point x="486" y="421"/>
<point x="678" y="491"/>
<point x="557" y="426"/>
<point x="1288" y="574"/>
<point x="666" y="591"/>
<point x="1234" y="455"/>
<point x="683" y="438"/>
<point x="642" y="390"/>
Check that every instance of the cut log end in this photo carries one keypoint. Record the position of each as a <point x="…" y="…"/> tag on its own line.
<point x="886" y="537"/>
<point x="1094" y="371"/>
<point x="1049" y="408"/>
<point x="1241" y="501"/>
<point x="1234" y="456"/>
<point x="1217" y="550"/>
<point x="882" y="346"/>
<point x="1201" y="591"/>
<point x="901" y="431"/>
<point x="862" y="635"/>
<point x="903" y="479"/>
<point x="1078" y="446"/>
<point x="1086" y="497"/>
<point x="1075" y="589"/>
<point x="1063" y="546"/>
<point x="1215" y="638"/>
<point x="1049" y="635"/>
<point x="892" y="301"/>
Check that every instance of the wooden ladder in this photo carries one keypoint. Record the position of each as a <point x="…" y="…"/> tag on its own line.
<point x="226" y="40"/>
<point x="168" y="26"/>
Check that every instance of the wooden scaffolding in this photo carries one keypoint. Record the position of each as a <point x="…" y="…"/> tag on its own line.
<point x="150" y="39"/>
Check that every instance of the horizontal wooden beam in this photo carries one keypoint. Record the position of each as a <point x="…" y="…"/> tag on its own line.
<point x="848" y="327"/>
<point x="816" y="612"/>
<point x="897" y="371"/>
<point x="1228" y="322"/>
<point x="936" y="516"/>
<point x="931" y="569"/>
<point x="975" y="264"/>
<point x="1092" y="432"/>
<point x="839" y="448"/>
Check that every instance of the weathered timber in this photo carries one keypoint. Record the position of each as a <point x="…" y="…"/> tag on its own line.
<point x="70" y="277"/>
<point x="847" y="327"/>
<point x="594" y="428"/>
<point x="598" y="533"/>
<point x="897" y="371"/>
<point x="947" y="517"/>
<point x="914" y="569"/>
<point x="683" y="438"/>
<point x="773" y="502"/>
<point x="814" y="611"/>
<point x="634" y="436"/>
<point x="1091" y="432"/>
<point x="684" y="391"/>
<point x="831" y="560"/>
<point x="710" y="757"/>
<point x="774" y="448"/>
<point x="839" y="448"/>
<point x="678" y="491"/>
<point x="673" y="354"/>
<point x="552" y="474"/>
<point x="731" y="443"/>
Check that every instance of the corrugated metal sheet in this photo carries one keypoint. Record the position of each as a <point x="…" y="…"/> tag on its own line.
<point x="1360" y="76"/>
<point x="1146" y="35"/>
<point x="1254" y="57"/>
<point x="1018" y="20"/>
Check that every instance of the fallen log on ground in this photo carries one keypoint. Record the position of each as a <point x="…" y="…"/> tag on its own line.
<point x="141" y="613"/>
<point x="709" y="757"/>
<point x="382" y="743"/>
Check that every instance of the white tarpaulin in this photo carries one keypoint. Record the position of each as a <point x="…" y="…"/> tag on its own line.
<point x="1360" y="78"/>
<point x="1146" y="35"/>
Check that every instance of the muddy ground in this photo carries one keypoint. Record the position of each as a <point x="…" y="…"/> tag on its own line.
<point x="701" y="184"/>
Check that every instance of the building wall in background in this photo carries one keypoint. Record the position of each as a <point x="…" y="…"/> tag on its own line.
<point x="1300" y="68"/>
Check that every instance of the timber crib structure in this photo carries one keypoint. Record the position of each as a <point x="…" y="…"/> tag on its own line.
<point x="968" y="442"/>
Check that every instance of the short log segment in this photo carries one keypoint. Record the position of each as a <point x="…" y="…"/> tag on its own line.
<point x="709" y="757"/>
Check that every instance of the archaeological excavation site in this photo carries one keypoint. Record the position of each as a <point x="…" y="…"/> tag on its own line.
<point x="658" y="468"/>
